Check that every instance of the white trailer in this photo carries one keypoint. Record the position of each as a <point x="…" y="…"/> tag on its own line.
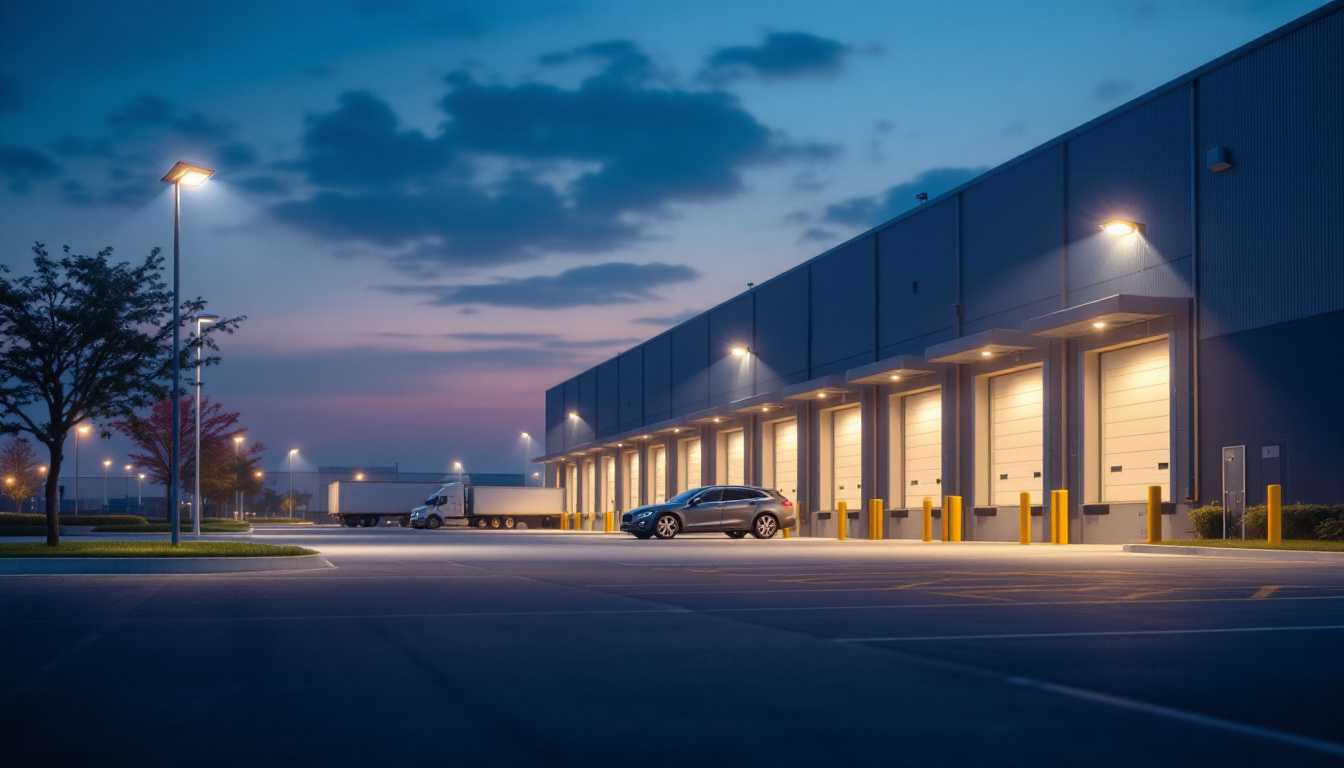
<point x="485" y="506"/>
<point x="367" y="503"/>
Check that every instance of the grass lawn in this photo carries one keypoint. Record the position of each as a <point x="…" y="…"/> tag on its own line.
<point x="278" y="521"/>
<point x="1298" y="544"/>
<point x="223" y="526"/>
<point x="151" y="549"/>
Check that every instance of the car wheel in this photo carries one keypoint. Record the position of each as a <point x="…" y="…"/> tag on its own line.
<point x="765" y="527"/>
<point x="735" y="534"/>
<point x="432" y="522"/>
<point x="666" y="527"/>
<point x="495" y="522"/>
<point x="641" y="536"/>
<point x="510" y="523"/>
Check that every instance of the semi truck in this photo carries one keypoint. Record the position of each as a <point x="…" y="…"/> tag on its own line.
<point x="360" y="503"/>
<point x="485" y="506"/>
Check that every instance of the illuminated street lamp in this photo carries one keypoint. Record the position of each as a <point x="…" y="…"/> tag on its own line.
<point x="457" y="465"/>
<point x="527" y="453"/>
<point x="82" y="429"/>
<point x="140" y="492"/>
<point x="10" y="481"/>
<point x="292" y="505"/>
<point x="107" y="464"/>
<point x="191" y="175"/>
<point x="238" y="494"/>
<point x="199" y="508"/>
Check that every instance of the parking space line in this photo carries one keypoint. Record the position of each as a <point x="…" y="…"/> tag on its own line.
<point x="1117" y="633"/>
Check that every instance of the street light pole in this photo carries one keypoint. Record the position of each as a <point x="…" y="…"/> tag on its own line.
<point x="527" y="454"/>
<point x="139" y="493"/>
<point x="292" y="505"/>
<point x="80" y="430"/>
<point x="458" y="466"/>
<point x="193" y="176"/>
<point x="107" y="464"/>
<point x="198" y="508"/>
<point x="238" y="494"/>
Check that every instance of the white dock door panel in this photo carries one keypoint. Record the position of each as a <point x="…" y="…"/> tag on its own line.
<point x="690" y="467"/>
<point x="571" y="487"/>
<point x="1016" y="452"/>
<point x="847" y="458"/>
<point x="590" y="486"/>
<point x="786" y="459"/>
<point x="733" y="459"/>
<point x="658" y="494"/>
<point x="631" y="480"/>
<point x="923" y="417"/>
<point x="1135" y="422"/>
<point x="609" y="499"/>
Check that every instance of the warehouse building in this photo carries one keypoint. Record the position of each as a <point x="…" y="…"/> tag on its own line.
<point x="1154" y="298"/>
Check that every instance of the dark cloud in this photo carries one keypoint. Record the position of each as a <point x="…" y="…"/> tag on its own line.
<point x="871" y="211"/>
<point x="671" y="320"/>
<point x="518" y="338"/>
<point x="151" y="113"/>
<point x="595" y="285"/>
<point x="817" y="235"/>
<point x="630" y="148"/>
<point x="362" y="146"/>
<point x="592" y="343"/>
<point x="783" y="55"/>
<point x="22" y="166"/>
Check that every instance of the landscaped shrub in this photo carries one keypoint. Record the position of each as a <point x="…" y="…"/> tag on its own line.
<point x="1300" y="521"/>
<point x="1331" y="530"/>
<point x="8" y="518"/>
<point x="1207" y="521"/>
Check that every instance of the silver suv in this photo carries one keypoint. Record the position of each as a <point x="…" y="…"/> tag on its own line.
<point x="732" y="509"/>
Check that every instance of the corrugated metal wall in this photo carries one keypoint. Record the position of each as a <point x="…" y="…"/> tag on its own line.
<point x="844" y="308"/>
<point x="917" y="279"/>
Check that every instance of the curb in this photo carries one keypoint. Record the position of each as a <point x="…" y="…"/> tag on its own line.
<point x="17" y="566"/>
<point x="1280" y="555"/>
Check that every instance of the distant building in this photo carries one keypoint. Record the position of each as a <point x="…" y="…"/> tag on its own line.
<point x="1154" y="298"/>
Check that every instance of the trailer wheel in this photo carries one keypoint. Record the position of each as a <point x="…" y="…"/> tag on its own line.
<point x="405" y="521"/>
<point x="370" y="521"/>
<point x="510" y="523"/>
<point x="495" y="522"/>
<point x="350" y="522"/>
<point x="481" y="522"/>
<point x="432" y="522"/>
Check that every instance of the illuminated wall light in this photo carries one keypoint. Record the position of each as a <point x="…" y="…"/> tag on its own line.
<point x="1120" y="227"/>
<point x="675" y="431"/>
<point x="895" y="378"/>
<point x="1098" y="325"/>
<point x="740" y="351"/>
<point x="573" y="414"/>
<point x="716" y="419"/>
<point x="986" y="353"/>
<point x="821" y="395"/>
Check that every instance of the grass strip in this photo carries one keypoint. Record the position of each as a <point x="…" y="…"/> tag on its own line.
<point x="166" y="528"/>
<point x="278" y="521"/>
<point x="151" y="549"/>
<point x="1300" y="545"/>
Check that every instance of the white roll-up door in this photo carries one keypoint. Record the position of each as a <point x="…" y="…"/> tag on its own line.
<point x="589" y="486"/>
<point x="690" y="466"/>
<point x="923" y="459"/>
<point x="786" y="458"/>
<point x="571" y="488"/>
<point x="847" y="458"/>
<point x="1016" y="451"/>
<point x="631" y="480"/>
<point x="658" y="493"/>
<point x="609" y="498"/>
<point x="733" y="459"/>
<point x="1135" y="421"/>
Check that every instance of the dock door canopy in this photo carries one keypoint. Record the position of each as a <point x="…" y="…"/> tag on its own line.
<point x="1016" y="450"/>
<point x="847" y="458"/>
<point x="1135" y="421"/>
<point x="786" y="458"/>
<point x="922" y="431"/>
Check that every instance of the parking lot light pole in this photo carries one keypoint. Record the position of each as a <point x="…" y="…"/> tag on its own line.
<point x="80" y="430"/>
<point x="140" y="493"/>
<point x="193" y="176"/>
<point x="238" y="494"/>
<point x="292" y="505"/>
<point x="199" y="508"/>
<point x="457" y="465"/>
<point x="107" y="464"/>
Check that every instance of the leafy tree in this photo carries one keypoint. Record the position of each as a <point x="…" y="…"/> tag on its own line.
<point x="19" y="468"/>
<point x="270" y="502"/>
<point x="84" y="339"/>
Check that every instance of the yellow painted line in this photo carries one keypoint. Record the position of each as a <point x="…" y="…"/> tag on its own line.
<point x="1264" y="592"/>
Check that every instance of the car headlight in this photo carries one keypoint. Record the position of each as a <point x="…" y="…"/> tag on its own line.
<point x="643" y="515"/>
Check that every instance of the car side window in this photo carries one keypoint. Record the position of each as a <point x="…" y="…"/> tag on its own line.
<point x="739" y="494"/>
<point x="710" y="496"/>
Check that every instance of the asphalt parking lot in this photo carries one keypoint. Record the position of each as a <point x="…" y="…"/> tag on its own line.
<point x="468" y="647"/>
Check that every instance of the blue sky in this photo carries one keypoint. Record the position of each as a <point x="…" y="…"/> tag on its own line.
<point x="433" y="211"/>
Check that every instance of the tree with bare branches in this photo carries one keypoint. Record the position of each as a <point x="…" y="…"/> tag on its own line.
<point x="19" y="469"/>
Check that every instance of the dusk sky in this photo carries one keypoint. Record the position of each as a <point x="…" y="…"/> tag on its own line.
<point x="431" y="212"/>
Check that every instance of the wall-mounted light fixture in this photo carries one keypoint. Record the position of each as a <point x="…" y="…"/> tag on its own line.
<point x="740" y="351"/>
<point x="573" y="414"/>
<point x="1121" y="227"/>
<point x="821" y="395"/>
<point x="895" y="378"/>
<point x="986" y="353"/>
<point x="1098" y="325"/>
<point x="716" y="419"/>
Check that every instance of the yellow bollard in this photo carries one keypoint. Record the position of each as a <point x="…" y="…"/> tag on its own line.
<point x="564" y="521"/>
<point x="610" y="521"/>
<point x="1274" y="516"/>
<point x="928" y="519"/>
<point x="842" y="521"/>
<point x="1024" y="518"/>
<point x="875" y="519"/>
<point x="946" y="531"/>
<point x="1063" y="517"/>
<point x="956" y="518"/>
<point x="1154" y="514"/>
<point x="1054" y="517"/>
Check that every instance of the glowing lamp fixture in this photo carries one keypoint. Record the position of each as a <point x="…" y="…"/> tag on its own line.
<point x="740" y="351"/>
<point x="1120" y="227"/>
<point x="821" y="395"/>
<point x="675" y="431"/>
<point x="107" y="463"/>
<point x="142" y="475"/>
<point x="573" y="414"/>
<point x="895" y="378"/>
<point x="84" y="430"/>
<point x="986" y="353"/>
<point x="359" y="476"/>
<point x="716" y="419"/>
<point x="188" y="174"/>
<point x="1098" y="325"/>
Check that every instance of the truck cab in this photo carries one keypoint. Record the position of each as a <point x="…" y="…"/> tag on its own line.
<point x="446" y="503"/>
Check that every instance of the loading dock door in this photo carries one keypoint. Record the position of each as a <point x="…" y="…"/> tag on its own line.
<point x="609" y="499"/>
<point x="733" y="458"/>
<point x="1135" y="422"/>
<point x="690" y="467"/>
<point x="571" y="488"/>
<point x="658" y="493"/>
<point x="589" y="486"/>
<point x="631" y="480"/>
<point x="1016" y="450"/>
<point x="923" y="428"/>
<point x="786" y="459"/>
<point x="847" y="458"/>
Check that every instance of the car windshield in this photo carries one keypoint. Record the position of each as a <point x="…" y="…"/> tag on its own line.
<point x="684" y="496"/>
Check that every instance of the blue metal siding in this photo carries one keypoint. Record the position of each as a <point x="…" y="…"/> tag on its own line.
<point x="1135" y="166"/>
<point x="730" y="325"/>
<point x="1272" y="226"/>
<point x="1012" y="227"/>
<point x="608" y="398"/>
<point x="690" y="366"/>
<point x="555" y="419"/>
<point x="657" y="384"/>
<point x="781" y="331"/>
<point x="632" y="388"/>
<point x="917" y="275"/>
<point x="585" y="430"/>
<point x="844" y="308"/>
<point x="571" y="389"/>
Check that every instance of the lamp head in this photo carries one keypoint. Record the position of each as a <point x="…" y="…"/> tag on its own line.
<point x="1120" y="227"/>
<point x="188" y="174"/>
<point x="740" y="351"/>
<point x="206" y="317"/>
